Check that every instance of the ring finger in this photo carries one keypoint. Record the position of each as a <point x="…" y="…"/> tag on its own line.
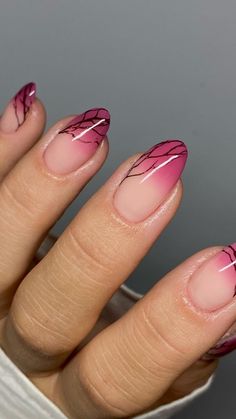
<point x="41" y="185"/>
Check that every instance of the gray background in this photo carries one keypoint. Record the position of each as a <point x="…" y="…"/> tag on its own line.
<point x="164" y="69"/>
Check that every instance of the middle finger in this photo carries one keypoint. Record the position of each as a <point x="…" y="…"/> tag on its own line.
<point x="59" y="301"/>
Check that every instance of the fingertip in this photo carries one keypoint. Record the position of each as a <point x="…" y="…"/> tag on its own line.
<point x="37" y="117"/>
<point x="20" y="110"/>
<point x="75" y="143"/>
<point x="38" y="108"/>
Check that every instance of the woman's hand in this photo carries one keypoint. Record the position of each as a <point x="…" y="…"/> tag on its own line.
<point x="150" y="355"/>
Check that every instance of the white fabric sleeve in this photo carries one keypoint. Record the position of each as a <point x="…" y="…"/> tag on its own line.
<point x="20" y="399"/>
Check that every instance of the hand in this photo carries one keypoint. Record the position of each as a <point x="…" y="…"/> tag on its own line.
<point x="151" y="354"/>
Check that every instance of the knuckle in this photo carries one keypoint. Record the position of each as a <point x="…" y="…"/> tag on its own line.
<point x="103" y="399"/>
<point x="36" y="326"/>
<point x="167" y="343"/>
<point x="83" y="247"/>
<point x="105" y="394"/>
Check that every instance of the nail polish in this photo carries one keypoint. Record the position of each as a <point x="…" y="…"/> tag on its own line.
<point x="149" y="180"/>
<point x="225" y="345"/>
<point x="225" y="263"/>
<point x="213" y="285"/>
<point x="18" y="108"/>
<point x="77" y="141"/>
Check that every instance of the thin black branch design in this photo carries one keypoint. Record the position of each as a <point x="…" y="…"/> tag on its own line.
<point x="97" y="120"/>
<point x="176" y="149"/>
<point x="232" y="259"/>
<point x="22" y="102"/>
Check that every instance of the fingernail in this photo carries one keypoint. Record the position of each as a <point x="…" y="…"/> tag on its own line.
<point x="18" y="108"/>
<point x="77" y="141"/>
<point x="150" y="179"/>
<point x="213" y="285"/>
<point x="223" y="347"/>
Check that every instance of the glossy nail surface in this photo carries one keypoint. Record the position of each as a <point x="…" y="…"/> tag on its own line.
<point x="213" y="285"/>
<point x="18" y="108"/>
<point x="150" y="179"/>
<point x="77" y="141"/>
<point x="223" y="347"/>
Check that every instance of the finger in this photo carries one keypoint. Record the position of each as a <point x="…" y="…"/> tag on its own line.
<point x="34" y="195"/>
<point x="132" y="363"/>
<point x="21" y="125"/>
<point x="96" y="253"/>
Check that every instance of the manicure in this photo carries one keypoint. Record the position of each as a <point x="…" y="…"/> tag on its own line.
<point x="213" y="285"/>
<point x="77" y="141"/>
<point x="223" y="347"/>
<point x="18" y="108"/>
<point x="150" y="179"/>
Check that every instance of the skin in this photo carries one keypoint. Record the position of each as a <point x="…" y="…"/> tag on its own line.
<point x="153" y="352"/>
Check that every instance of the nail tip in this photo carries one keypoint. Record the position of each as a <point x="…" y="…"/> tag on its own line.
<point x="182" y="153"/>
<point x="30" y="88"/>
<point x="232" y="248"/>
<point x="105" y="113"/>
<point x="92" y="124"/>
<point x="33" y="85"/>
<point x="101" y="114"/>
<point x="182" y="143"/>
<point x="172" y="140"/>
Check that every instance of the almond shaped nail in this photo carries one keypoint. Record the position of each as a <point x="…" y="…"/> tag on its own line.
<point x="150" y="179"/>
<point x="77" y="141"/>
<point x="18" y="108"/>
<point x="213" y="285"/>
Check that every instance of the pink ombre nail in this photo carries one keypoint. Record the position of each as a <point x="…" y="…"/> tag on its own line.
<point x="213" y="285"/>
<point x="77" y="142"/>
<point x="223" y="347"/>
<point x="150" y="179"/>
<point x="18" y="108"/>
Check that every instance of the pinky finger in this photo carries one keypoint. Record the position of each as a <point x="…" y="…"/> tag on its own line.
<point x="21" y="125"/>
